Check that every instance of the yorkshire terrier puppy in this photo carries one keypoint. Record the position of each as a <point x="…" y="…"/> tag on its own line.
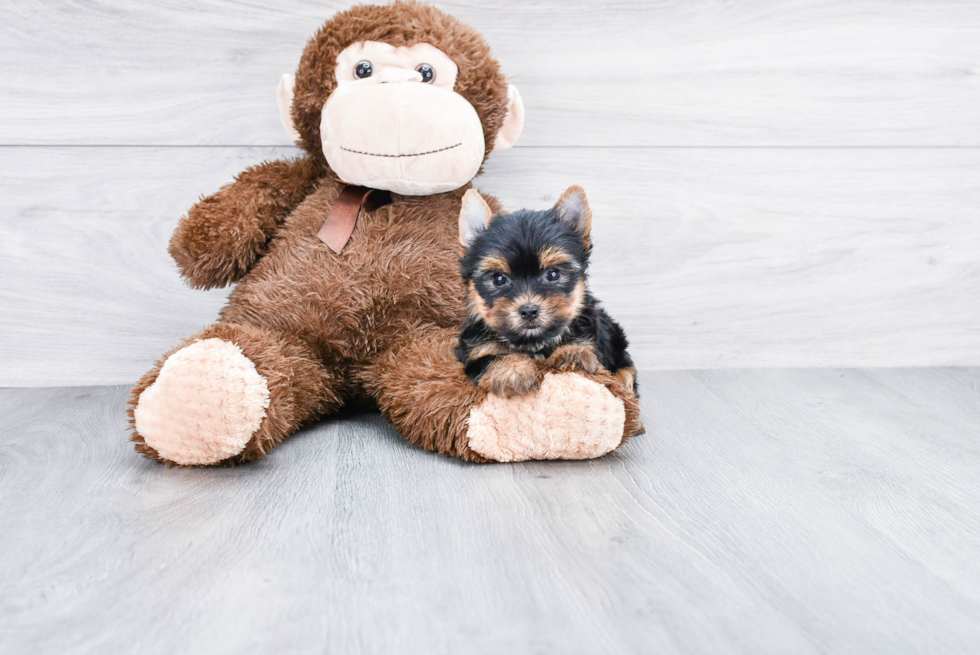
<point x="528" y="301"/>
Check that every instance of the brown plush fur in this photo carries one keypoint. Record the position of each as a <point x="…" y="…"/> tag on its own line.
<point x="300" y="388"/>
<point x="225" y="233"/>
<point x="381" y="318"/>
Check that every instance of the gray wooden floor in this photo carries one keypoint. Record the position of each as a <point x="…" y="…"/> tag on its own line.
<point x="777" y="511"/>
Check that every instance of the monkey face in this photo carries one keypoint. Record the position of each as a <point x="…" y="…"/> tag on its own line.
<point x="400" y="97"/>
<point x="392" y="117"/>
<point x="394" y="121"/>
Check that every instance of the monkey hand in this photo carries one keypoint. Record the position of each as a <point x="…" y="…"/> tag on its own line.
<point x="224" y="234"/>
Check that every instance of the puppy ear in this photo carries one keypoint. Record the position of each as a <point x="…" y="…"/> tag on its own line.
<point x="474" y="216"/>
<point x="573" y="209"/>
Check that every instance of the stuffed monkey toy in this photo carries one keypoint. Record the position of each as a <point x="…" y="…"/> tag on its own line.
<point x="347" y="266"/>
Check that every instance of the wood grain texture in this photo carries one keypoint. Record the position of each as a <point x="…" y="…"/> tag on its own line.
<point x="830" y="511"/>
<point x="760" y="72"/>
<point x="710" y="258"/>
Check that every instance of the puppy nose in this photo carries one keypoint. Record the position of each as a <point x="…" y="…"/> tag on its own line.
<point x="529" y="312"/>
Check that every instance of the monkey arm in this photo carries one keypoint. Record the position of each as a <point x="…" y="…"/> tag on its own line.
<point x="224" y="234"/>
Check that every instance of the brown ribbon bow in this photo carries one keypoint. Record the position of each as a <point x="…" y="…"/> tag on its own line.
<point x="342" y="218"/>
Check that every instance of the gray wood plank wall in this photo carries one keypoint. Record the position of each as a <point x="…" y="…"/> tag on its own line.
<point x="775" y="183"/>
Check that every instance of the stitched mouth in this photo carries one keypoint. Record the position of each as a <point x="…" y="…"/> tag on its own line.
<point x="416" y="154"/>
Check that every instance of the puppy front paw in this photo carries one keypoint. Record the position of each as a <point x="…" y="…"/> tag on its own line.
<point x="510" y="376"/>
<point x="574" y="357"/>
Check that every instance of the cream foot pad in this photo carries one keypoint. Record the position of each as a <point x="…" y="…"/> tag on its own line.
<point x="204" y="406"/>
<point x="570" y="417"/>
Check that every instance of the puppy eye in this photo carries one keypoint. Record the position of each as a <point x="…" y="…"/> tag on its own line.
<point x="553" y="275"/>
<point x="363" y="69"/>
<point x="428" y="73"/>
<point x="499" y="279"/>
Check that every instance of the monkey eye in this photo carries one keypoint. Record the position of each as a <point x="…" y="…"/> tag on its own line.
<point x="363" y="69"/>
<point x="428" y="73"/>
<point x="553" y="275"/>
<point x="499" y="279"/>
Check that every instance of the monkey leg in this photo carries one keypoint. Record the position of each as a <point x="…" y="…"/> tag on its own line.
<point x="422" y="389"/>
<point x="228" y="395"/>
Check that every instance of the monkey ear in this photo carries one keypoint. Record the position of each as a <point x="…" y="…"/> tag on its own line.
<point x="513" y="123"/>
<point x="285" y="97"/>
<point x="474" y="216"/>
<point x="573" y="209"/>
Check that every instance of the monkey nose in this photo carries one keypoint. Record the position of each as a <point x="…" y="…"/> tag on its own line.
<point x="529" y="312"/>
<point x="397" y="74"/>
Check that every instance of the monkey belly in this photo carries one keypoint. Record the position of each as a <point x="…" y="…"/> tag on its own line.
<point x="351" y="306"/>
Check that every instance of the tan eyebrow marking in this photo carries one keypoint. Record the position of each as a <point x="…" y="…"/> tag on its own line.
<point x="552" y="256"/>
<point x="495" y="263"/>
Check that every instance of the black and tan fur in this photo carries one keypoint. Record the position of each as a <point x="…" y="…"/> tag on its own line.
<point x="529" y="309"/>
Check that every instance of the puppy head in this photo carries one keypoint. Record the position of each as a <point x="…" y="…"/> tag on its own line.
<point x="525" y="271"/>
